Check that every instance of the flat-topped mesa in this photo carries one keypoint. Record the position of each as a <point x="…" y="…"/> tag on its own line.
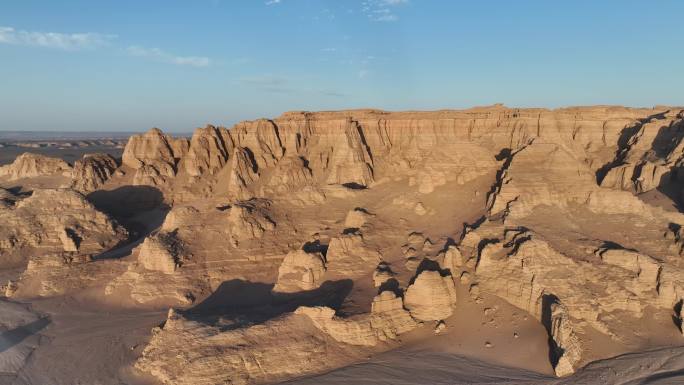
<point x="493" y="111"/>
<point x="355" y="148"/>
<point x="412" y="134"/>
<point x="29" y="165"/>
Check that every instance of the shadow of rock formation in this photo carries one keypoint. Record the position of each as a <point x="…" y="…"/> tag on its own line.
<point x="256" y="303"/>
<point x="13" y="337"/>
<point x="140" y="209"/>
<point x="127" y="201"/>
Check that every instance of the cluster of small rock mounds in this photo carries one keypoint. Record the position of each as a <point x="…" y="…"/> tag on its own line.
<point x="545" y="172"/>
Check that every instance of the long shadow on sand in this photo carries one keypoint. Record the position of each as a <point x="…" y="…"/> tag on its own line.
<point x="127" y="201"/>
<point x="13" y="337"/>
<point x="255" y="303"/>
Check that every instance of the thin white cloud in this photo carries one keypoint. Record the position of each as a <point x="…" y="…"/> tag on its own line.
<point x="272" y="2"/>
<point x="385" y="17"/>
<point x="158" y="54"/>
<point x="64" y="41"/>
<point x="381" y="10"/>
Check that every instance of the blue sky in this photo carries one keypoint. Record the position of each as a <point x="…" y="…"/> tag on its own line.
<point x="130" y="65"/>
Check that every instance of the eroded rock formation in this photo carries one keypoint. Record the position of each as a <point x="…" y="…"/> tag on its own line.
<point x="92" y="171"/>
<point x="570" y="216"/>
<point x="300" y="271"/>
<point x="244" y="355"/>
<point x="28" y="165"/>
<point x="161" y="252"/>
<point x="53" y="221"/>
<point x="431" y="297"/>
<point x="650" y="156"/>
<point x="517" y="166"/>
<point x="153" y="156"/>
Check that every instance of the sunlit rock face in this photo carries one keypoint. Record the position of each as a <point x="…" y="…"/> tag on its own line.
<point x="338" y="235"/>
<point x="53" y="221"/>
<point x="92" y="171"/>
<point x="30" y="165"/>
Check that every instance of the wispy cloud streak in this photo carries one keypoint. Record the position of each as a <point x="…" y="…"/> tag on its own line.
<point x="158" y="54"/>
<point x="64" y="41"/>
<point x="381" y="10"/>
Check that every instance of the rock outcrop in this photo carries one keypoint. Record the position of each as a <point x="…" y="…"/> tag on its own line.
<point x="58" y="236"/>
<point x="431" y="297"/>
<point x="150" y="148"/>
<point x="350" y="161"/>
<point x="389" y="317"/>
<point x="187" y="352"/>
<point x="382" y="274"/>
<point x="152" y="156"/>
<point x="526" y="182"/>
<point x="355" y="148"/>
<point x="571" y="297"/>
<point x="350" y="331"/>
<point x="349" y="255"/>
<point x="161" y="252"/>
<point x="649" y="156"/>
<point x="181" y="217"/>
<point x="208" y="151"/>
<point x="249" y="220"/>
<point x="290" y="174"/>
<point x="388" y="320"/>
<point x="242" y="173"/>
<point x="643" y="266"/>
<point x="357" y="218"/>
<point x="28" y="165"/>
<point x="300" y="271"/>
<point x="569" y="218"/>
<point x="515" y="166"/>
<point x="92" y="171"/>
<point x="52" y="221"/>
